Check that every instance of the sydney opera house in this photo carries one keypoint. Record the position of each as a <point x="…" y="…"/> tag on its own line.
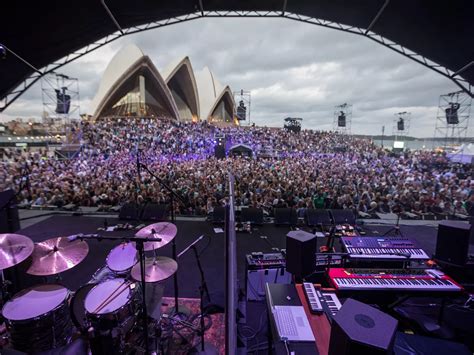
<point x="133" y="86"/>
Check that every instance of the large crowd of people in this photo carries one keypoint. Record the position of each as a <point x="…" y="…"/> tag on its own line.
<point x="312" y="169"/>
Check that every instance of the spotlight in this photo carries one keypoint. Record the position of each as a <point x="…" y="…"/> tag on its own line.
<point x="3" y="52"/>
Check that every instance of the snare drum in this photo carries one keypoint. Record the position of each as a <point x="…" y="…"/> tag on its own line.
<point x="38" y="318"/>
<point x="122" y="258"/>
<point x="112" y="304"/>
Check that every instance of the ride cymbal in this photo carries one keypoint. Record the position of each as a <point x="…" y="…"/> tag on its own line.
<point x="164" y="232"/>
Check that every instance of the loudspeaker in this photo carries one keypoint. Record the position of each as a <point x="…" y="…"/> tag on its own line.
<point x="452" y="243"/>
<point x="9" y="220"/>
<point x="219" y="152"/>
<point x="343" y="216"/>
<point x="285" y="216"/>
<point x="155" y="212"/>
<point x="315" y="217"/>
<point x="130" y="211"/>
<point x="341" y="120"/>
<point x="252" y="215"/>
<point x="218" y="215"/>
<point x="300" y="253"/>
<point x="452" y="113"/>
<point x="361" y="329"/>
<point x="401" y="124"/>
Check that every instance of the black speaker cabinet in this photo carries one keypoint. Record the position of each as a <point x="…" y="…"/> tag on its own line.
<point x="361" y="329"/>
<point x="252" y="215"/>
<point x="155" y="212"/>
<point x="343" y="216"/>
<point x="285" y="216"/>
<point x="300" y="253"/>
<point x="218" y="215"/>
<point x="9" y="220"/>
<point x="452" y="243"/>
<point x="314" y="217"/>
<point x="129" y="211"/>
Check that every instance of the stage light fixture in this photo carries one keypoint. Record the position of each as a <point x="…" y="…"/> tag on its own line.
<point x="3" y="52"/>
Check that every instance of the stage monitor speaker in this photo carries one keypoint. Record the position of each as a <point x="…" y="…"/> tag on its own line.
<point x="218" y="215"/>
<point x="345" y="216"/>
<point x="252" y="215"/>
<point x="300" y="253"/>
<point x="358" y="328"/>
<point x="129" y="212"/>
<point x="9" y="220"/>
<point x="452" y="243"/>
<point x="314" y="217"/>
<point x="155" y="212"/>
<point x="285" y="216"/>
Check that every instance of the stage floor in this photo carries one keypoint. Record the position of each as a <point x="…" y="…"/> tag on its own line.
<point x="212" y="248"/>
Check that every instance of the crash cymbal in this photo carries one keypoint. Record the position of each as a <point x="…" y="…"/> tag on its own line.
<point x="156" y="269"/>
<point x="14" y="248"/>
<point x="56" y="255"/>
<point x="163" y="231"/>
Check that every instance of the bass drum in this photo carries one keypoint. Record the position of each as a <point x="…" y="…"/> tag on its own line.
<point x="38" y="318"/>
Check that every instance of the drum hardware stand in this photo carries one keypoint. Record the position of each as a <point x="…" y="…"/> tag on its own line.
<point x="141" y="259"/>
<point x="178" y="310"/>
<point x="205" y="348"/>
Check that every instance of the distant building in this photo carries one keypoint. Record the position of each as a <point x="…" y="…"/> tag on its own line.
<point x="133" y="86"/>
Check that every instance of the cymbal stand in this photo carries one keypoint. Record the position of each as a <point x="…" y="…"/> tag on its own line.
<point x="173" y="194"/>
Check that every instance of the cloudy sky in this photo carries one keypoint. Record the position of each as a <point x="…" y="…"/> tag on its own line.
<point x="291" y="69"/>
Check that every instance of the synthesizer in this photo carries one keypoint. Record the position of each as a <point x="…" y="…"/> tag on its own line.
<point x="352" y="279"/>
<point x="259" y="260"/>
<point x="383" y="248"/>
<point x="321" y="301"/>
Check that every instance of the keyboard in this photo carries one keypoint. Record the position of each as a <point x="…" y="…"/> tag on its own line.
<point x="330" y="303"/>
<point x="313" y="301"/>
<point x="383" y="248"/>
<point x="392" y="280"/>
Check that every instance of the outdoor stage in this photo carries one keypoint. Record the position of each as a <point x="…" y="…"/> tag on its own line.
<point x="212" y="248"/>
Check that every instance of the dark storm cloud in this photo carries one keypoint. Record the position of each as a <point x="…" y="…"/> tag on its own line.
<point x="292" y="69"/>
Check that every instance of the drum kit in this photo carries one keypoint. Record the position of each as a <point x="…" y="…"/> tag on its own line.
<point x="105" y="311"/>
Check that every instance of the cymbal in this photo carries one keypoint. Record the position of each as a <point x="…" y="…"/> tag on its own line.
<point x="163" y="231"/>
<point x="14" y="248"/>
<point x="156" y="269"/>
<point x="56" y="255"/>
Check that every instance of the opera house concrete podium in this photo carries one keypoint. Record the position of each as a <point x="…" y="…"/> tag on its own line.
<point x="133" y="86"/>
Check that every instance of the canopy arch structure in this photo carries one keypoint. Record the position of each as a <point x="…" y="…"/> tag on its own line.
<point x="435" y="34"/>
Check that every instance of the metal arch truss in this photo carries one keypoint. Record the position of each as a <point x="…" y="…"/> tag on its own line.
<point x="28" y="82"/>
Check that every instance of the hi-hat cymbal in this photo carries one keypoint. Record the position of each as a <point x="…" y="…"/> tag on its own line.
<point x="156" y="269"/>
<point x="56" y="255"/>
<point x="14" y="248"/>
<point x="163" y="231"/>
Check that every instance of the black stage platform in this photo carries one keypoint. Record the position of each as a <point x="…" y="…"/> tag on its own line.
<point x="212" y="257"/>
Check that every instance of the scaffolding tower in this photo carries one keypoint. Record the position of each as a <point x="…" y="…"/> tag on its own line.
<point x="342" y="118"/>
<point x="243" y="100"/>
<point x="60" y="94"/>
<point x="452" y="120"/>
<point x="401" y="125"/>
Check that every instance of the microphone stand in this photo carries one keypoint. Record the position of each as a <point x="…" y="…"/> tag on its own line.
<point x="139" y="242"/>
<point x="173" y="194"/>
<point x="206" y="348"/>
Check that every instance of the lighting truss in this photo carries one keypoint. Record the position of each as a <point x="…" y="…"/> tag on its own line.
<point x="455" y="76"/>
<point x="400" y="134"/>
<point x="453" y="133"/>
<point x="345" y="109"/>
